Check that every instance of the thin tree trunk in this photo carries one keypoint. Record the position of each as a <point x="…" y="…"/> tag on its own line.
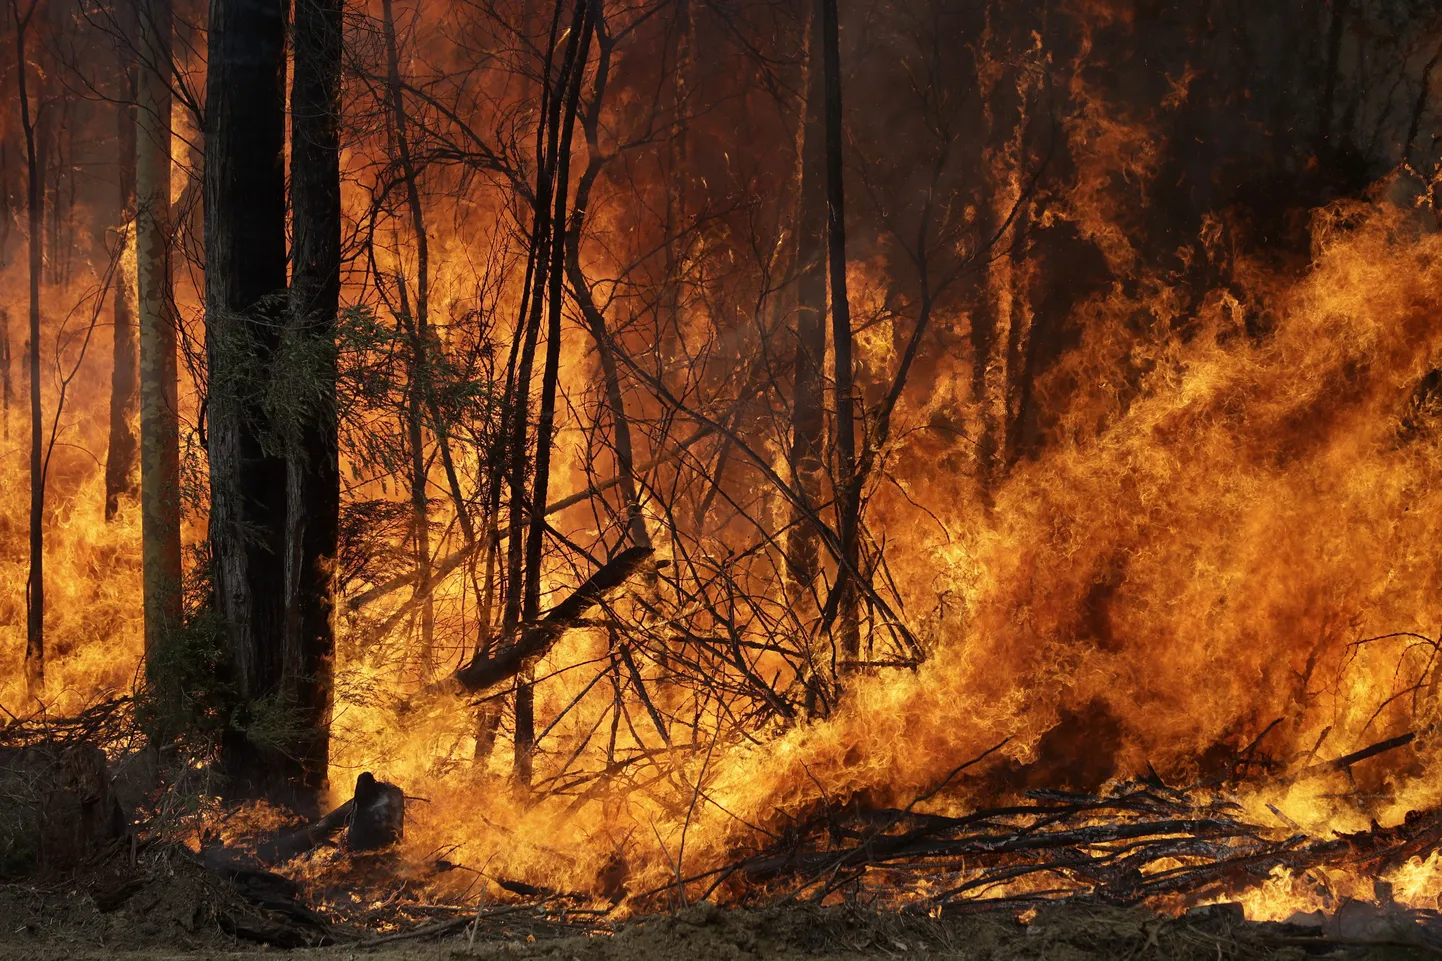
<point x="808" y="412"/>
<point x="678" y="237"/>
<point x="35" y="200"/>
<point x="54" y="169"/>
<point x="159" y="420"/>
<point x="1020" y="323"/>
<point x="120" y="459"/>
<point x="415" y="331"/>
<point x="635" y="522"/>
<point x="7" y="387"/>
<point x="528" y="334"/>
<point x="245" y="279"/>
<point x="582" y="29"/>
<point x="420" y="503"/>
<point x="848" y="494"/>
<point x="313" y="466"/>
<point x="1419" y="106"/>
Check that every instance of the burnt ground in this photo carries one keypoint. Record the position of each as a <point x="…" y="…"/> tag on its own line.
<point x="182" y="913"/>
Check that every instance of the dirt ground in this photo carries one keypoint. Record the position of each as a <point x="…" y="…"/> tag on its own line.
<point x="177" y="925"/>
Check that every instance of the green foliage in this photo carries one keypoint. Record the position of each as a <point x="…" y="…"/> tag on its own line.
<point x="185" y="697"/>
<point x="376" y="373"/>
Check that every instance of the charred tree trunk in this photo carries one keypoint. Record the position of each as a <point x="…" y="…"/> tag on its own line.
<point x="1021" y="334"/>
<point x="848" y="493"/>
<point x="414" y="321"/>
<point x="577" y="51"/>
<point x="121" y="453"/>
<point x="545" y="247"/>
<point x="313" y="465"/>
<point x="159" y="421"/>
<point x="1002" y="320"/>
<point x="35" y="205"/>
<point x="808" y="413"/>
<point x="245" y="280"/>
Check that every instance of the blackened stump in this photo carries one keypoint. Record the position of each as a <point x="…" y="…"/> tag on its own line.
<point x="378" y="818"/>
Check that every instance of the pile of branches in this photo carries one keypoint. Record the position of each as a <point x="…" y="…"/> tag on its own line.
<point x="107" y="723"/>
<point x="1142" y="841"/>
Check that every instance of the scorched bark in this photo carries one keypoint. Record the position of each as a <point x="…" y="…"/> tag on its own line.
<point x="245" y="280"/>
<point x="313" y="517"/>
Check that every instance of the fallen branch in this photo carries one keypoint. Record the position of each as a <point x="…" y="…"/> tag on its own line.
<point x="486" y="670"/>
<point x="293" y="844"/>
<point x="1347" y="760"/>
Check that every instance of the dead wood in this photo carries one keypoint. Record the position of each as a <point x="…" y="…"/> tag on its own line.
<point x="378" y="817"/>
<point x="292" y="844"/>
<point x="1347" y="760"/>
<point x="1138" y="843"/>
<point x="486" y="669"/>
<point x="59" y="809"/>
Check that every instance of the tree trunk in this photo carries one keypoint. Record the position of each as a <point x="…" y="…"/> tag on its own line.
<point x="35" y="201"/>
<point x="159" y="421"/>
<point x="415" y="323"/>
<point x="6" y="388"/>
<point x="313" y="467"/>
<point x="578" y="49"/>
<point x="808" y="412"/>
<point x="245" y="279"/>
<point x="120" y="457"/>
<point x="543" y="236"/>
<point x="848" y="493"/>
<point x="626" y="474"/>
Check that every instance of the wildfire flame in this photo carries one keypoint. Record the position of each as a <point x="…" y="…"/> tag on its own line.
<point x="1222" y="545"/>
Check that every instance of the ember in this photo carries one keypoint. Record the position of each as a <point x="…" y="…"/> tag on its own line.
<point x="487" y="469"/>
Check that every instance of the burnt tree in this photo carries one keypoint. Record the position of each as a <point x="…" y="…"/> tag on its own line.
<point x="245" y="281"/>
<point x="159" y="367"/>
<point x="313" y="464"/>
<point x="123" y="450"/>
<point x="35" y="138"/>
<point x="844" y="596"/>
<point x="808" y="411"/>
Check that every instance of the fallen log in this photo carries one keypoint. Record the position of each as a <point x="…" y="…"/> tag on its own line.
<point x="292" y="844"/>
<point x="487" y="670"/>
<point x="373" y="818"/>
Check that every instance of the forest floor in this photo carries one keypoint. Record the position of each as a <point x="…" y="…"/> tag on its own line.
<point x="176" y="922"/>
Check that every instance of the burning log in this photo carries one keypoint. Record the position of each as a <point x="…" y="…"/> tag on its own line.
<point x="487" y="670"/>
<point x="1346" y="761"/>
<point x="293" y="844"/>
<point x="373" y="818"/>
